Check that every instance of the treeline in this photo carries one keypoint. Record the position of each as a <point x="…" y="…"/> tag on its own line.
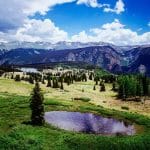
<point x="4" y="69"/>
<point x="133" y="86"/>
<point x="54" y="80"/>
<point x="128" y="87"/>
<point x="57" y="80"/>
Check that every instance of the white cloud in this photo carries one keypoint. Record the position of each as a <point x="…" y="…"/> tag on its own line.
<point x="42" y="6"/>
<point x="15" y="24"/>
<point x="91" y="3"/>
<point x="13" y="13"/>
<point x="36" y="30"/>
<point x="82" y="37"/>
<point x="114" y="25"/>
<point x="115" y="33"/>
<point x="119" y="7"/>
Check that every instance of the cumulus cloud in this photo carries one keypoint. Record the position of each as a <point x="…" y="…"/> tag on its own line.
<point x="82" y="37"/>
<point x="42" y="6"/>
<point x="119" y="7"/>
<point x="13" y="13"/>
<point x="91" y="3"/>
<point x="115" y="33"/>
<point x="16" y="25"/>
<point x="114" y="25"/>
<point x="36" y="30"/>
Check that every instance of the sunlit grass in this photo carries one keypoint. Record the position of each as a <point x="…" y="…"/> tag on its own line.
<point x="15" y="134"/>
<point x="106" y="99"/>
<point x="15" y="113"/>
<point x="19" y="88"/>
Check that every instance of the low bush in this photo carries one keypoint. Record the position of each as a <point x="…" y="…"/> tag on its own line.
<point x="125" y="107"/>
<point x="84" y="99"/>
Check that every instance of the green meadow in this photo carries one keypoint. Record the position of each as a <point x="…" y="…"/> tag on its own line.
<point x="17" y="134"/>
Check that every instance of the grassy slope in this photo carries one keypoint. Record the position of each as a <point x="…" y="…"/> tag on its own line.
<point x="106" y="99"/>
<point x="14" y="134"/>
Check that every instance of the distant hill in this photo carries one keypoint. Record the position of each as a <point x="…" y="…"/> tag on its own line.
<point x="110" y="57"/>
<point x="104" y="56"/>
<point x="141" y="58"/>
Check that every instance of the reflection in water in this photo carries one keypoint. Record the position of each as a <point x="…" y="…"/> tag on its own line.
<point x="89" y="123"/>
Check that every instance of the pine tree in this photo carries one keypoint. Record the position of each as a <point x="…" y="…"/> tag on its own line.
<point x="84" y="78"/>
<point x="129" y="87"/>
<point x="149" y="90"/>
<point x="61" y="83"/>
<point x="53" y="83"/>
<point x="22" y="78"/>
<point x="96" y="79"/>
<point x="101" y="83"/>
<point x="12" y="76"/>
<point x="36" y="105"/>
<point x="68" y="80"/>
<point x="145" y="83"/>
<point x="102" y="88"/>
<point x="94" y="87"/>
<point x="17" y="78"/>
<point x="139" y="89"/>
<point x="123" y="93"/>
<point x="57" y="85"/>
<point x="43" y="80"/>
<point x="71" y="79"/>
<point x="91" y="76"/>
<point x="114" y="86"/>
<point x="31" y="79"/>
<point x="49" y="82"/>
<point x="132" y="86"/>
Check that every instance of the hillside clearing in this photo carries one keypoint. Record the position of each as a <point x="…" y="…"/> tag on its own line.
<point x="76" y="91"/>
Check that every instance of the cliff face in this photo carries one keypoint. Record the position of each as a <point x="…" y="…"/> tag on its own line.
<point x="106" y="57"/>
<point x="103" y="56"/>
<point x="141" y="61"/>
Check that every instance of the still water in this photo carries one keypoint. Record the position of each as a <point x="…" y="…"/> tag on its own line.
<point x="88" y="123"/>
<point x="29" y="70"/>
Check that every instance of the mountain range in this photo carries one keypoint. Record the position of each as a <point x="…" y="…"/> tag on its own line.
<point x="108" y="56"/>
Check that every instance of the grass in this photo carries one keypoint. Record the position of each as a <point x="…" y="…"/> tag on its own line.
<point x="14" y="134"/>
<point x="57" y="103"/>
<point x="106" y="99"/>
<point x="19" y="88"/>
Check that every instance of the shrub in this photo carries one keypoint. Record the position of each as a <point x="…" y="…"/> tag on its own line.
<point x="125" y="107"/>
<point x="84" y="99"/>
<point x="17" y="78"/>
<point x="94" y="87"/>
<point x="102" y="88"/>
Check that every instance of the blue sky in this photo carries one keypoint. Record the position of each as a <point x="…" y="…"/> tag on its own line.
<point x="75" y="18"/>
<point x="120" y="22"/>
